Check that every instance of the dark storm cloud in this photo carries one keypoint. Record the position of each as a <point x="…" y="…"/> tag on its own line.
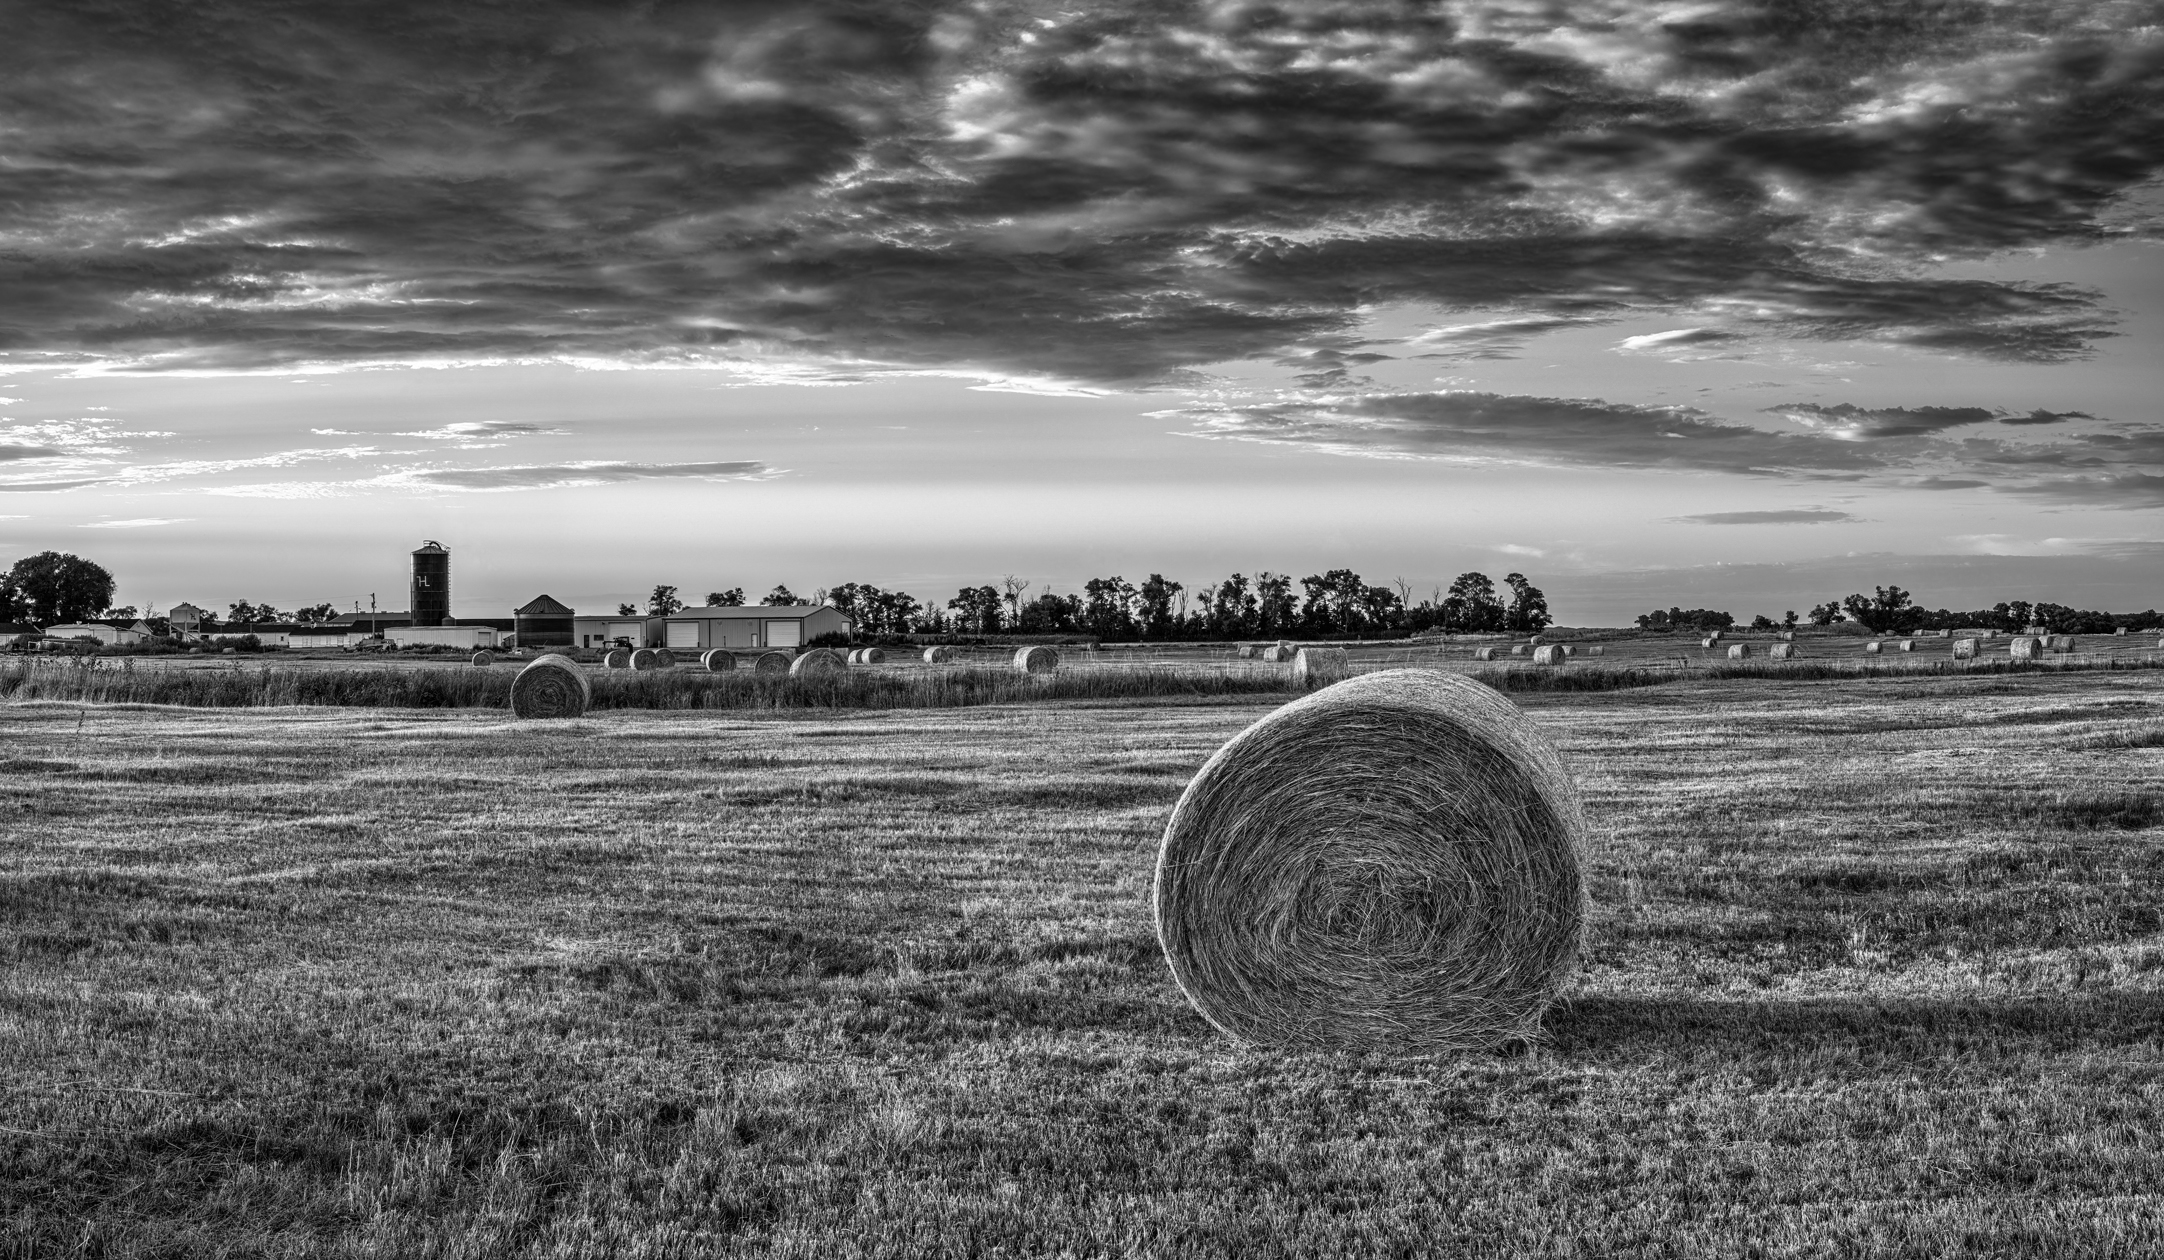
<point x="542" y="476"/>
<point x="1112" y="195"/>
<point x="1784" y="516"/>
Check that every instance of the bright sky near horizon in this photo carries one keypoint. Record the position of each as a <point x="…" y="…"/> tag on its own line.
<point x="1710" y="304"/>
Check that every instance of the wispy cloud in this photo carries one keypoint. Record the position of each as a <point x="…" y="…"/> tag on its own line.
<point x="550" y="476"/>
<point x="1777" y="516"/>
<point x="140" y="522"/>
<point x="1100" y="195"/>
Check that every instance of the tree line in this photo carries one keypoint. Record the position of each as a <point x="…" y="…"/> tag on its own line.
<point x="1336" y="602"/>
<point x="1891" y="610"/>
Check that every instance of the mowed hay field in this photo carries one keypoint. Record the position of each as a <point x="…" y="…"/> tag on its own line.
<point x="1875" y="969"/>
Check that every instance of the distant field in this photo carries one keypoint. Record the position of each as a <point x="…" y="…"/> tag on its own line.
<point x="1877" y="968"/>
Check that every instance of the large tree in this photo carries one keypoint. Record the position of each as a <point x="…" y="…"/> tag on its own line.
<point x="1528" y="607"/>
<point x="54" y="587"/>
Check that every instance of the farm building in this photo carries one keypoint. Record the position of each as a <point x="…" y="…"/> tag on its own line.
<point x="465" y="638"/>
<point x="759" y="626"/>
<point x="104" y="632"/>
<point x="185" y="619"/>
<point x="545" y="622"/>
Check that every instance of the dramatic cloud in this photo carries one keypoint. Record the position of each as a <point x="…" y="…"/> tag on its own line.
<point x="1109" y="195"/>
<point x="1786" y="516"/>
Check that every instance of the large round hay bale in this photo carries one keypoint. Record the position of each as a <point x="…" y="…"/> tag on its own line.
<point x="1711" y="640"/>
<point x="718" y="660"/>
<point x="550" y="686"/>
<point x="1520" y="650"/>
<point x="938" y="655"/>
<point x="1783" y="652"/>
<point x="1739" y="651"/>
<point x="1964" y="649"/>
<point x="819" y="663"/>
<point x="871" y="656"/>
<point x="1320" y="666"/>
<point x="616" y="658"/>
<point x="1873" y="648"/>
<point x="1484" y="654"/>
<point x="771" y="663"/>
<point x="1549" y="654"/>
<point x="1905" y="645"/>
<point x="645" y="659"/>
<point x="853" y="652"/>
<point x="1389" y="864"/>
<point x="1036" y="659"/>
<point x="484" y="658"/>
<point x="2025" y="647"/>
<point x="2061" y="643"/>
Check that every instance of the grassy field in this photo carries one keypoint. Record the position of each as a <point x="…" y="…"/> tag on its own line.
<point x="1876" y="968"/>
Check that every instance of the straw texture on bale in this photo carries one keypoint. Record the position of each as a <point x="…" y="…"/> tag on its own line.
<point x="1782" y="652"/>
<point x="1739" y="651"/>
<point x="2025" y="647"/>
<point x="1964" y="649"/>
<point x="1277" y="653"/>
<point x="1036" y="659"/>
<point x="718" y="660"/>
<point x="1484" y="654"/>
<point x="771" y="663"/>
<point x="938" y="655"/>
<point x="1320" y="666"/>
<point x="645" y="659"/>
<point x="1520" y="650"/>
<point x="1392" y="863"/>
<point x="2061" y="643"/>
<point x="853" y="655"/>
<point x="1874" y="647"/>
<point x="1549" y="654"/>
<point x="871" y="656"/>
<point x="818" y="663"/>
<point x="550" y="686"/>
<point x="484" y="657"/>
<point x="1905" y="645"/>
<point x="1248" y="651"/>
<point x="616" y="658"/>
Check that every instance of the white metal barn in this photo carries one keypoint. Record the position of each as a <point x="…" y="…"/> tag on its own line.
<point x="696" y="629"/>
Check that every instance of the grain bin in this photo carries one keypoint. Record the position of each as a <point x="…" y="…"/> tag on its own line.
<point x="1390" y="864"/>
<point x="1964" y="649"/>
<point x="1548" y="654"/>
<point x="1320" y="666"/>
<point x="1783" y="652"/>
<point x="718" y="660"/>
<point x="2025" y="647"/>
<point x="1036" y="659"/>
<point x="429" y="600"/>
<point x="819" y="663"/>
<point x="550" y="686"/>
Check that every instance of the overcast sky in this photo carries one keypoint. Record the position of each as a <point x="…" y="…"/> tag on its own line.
<point x="1734" y="304"/>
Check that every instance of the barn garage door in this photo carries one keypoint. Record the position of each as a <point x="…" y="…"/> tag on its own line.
<point x="632" y="630"/>
<point x="782" y="634"/>
<point x="683" y="634"/>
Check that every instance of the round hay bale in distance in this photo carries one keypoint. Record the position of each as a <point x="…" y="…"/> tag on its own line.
<point x="938" y="655"/>
<point x="1277" y="653"/>
<point x="1905" y="645"/>
<point x="1783" y="652"/>
<point x="1247" y="652"/>
<point x="2025" y="647"/>
<point x="1520" y="650"/>
<point x="718" y="660"/>
<point x="1392" y="863"/>
<point x="1596" y="651"/>
<point x="616" y="658"/>
<point x="551" y="686"/>
<point x="1964" y="649"/>
<point x="1484" y="654"/>
<point x="1711" y="640"/>
<point x="2061" y="643"/>
<point x="1320" y="666"/>
<point x="646" y="659"/>
<point x="1036" y="659"/>
<point x="871" y="656"/>
<point x="1739" y="651"/>
<point x="484" y="658"/>
<point x="853" y="655"/>
<point x="819" y="663"/>
<point x="771" y="663"/>
<point x="1549" y="654"/>
<point x="1873" y="648"/>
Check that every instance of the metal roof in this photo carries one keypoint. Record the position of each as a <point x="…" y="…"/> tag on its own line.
<point x="544" y="606"/>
